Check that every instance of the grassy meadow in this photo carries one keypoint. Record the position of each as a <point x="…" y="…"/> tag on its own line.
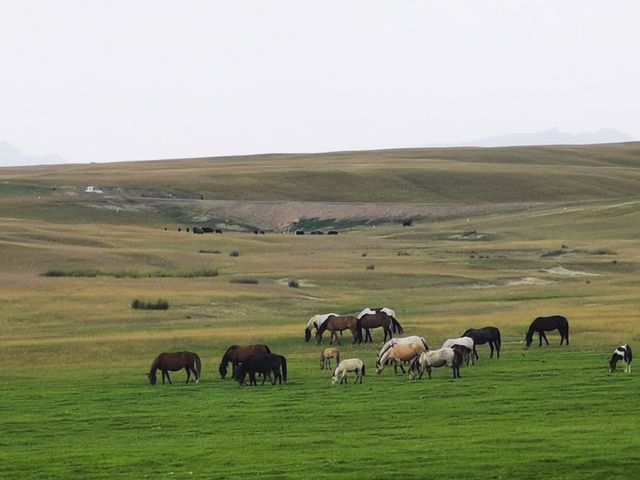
<point x="75" y="398"/>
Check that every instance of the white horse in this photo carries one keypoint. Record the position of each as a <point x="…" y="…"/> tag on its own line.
<point x="623" y="352"/>
<point x="466" y="342"/>
<point x="350" y="365"/>
<point x="315" y="322"/>
<point x="399" y="353"/>
<point x="436" y="358"/>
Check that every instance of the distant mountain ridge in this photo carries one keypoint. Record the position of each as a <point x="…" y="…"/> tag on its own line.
<point x="550" y="137"/>
<point x="10" y="156"/>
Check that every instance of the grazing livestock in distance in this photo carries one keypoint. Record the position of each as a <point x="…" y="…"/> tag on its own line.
<point x="237" y="354"/>
<point x="269" y="364"/>
<point x="332" y="232"/>
<point x="338" y="323"/>
<point x="480" y="336"/>
<point x="326" y="356"/>
<point x="315" y="322"/>
<point x="467" y="343"/>
<point x="623" y="352"/>
<point x="400" y="352"/>
<point x="434" y="359"/>
<point x="545" y="324"/>
<point x="354" y="365"/>
<point x="175" y="361"/>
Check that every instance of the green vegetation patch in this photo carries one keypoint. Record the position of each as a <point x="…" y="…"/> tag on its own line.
<point x="90" y="273"/>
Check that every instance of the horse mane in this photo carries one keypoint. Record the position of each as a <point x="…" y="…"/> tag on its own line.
<point x="226" y="354"/>
<point x="323" y="327"/>
<point x="154" y="364"/>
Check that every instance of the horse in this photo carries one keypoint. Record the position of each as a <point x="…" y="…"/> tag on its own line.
<point x="394" y="341"/>
<point x="345" y="366"/>
<point x="315" y="322"/>
<point x="623" y="352"/>
<point x="175" y="361"/>
<point x="437" y="358"/>
<point x="338" y="323"/>
<point x="326" y="356"/>
<point x="266" y="364"/>
<point x="375" y="318"/>
<point x="237" y="354"/>
<point x="400" y="352"/>
<point x="544" y="324"/>
<point x="484" y="335"/>
<point x="467" y="343"/>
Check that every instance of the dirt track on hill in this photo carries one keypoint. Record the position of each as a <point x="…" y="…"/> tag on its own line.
<point x="282" y="216"/>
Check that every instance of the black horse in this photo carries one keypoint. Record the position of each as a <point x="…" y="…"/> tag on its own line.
<point x="266" y="364"/>
<point x="544" y="324"/>
<point x="484" y="335"/>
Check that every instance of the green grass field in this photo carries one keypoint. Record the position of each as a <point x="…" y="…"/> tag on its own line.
<point x="75" y="398"/>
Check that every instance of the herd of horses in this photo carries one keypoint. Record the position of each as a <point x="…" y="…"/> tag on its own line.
<point x="412" y="352"/>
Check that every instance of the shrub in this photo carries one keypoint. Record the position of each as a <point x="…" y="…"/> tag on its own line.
<point x="248" y="281"/>
<point x="234" y="253"/>
<point x="293" y="283"/>
<point x="159" y="305"/>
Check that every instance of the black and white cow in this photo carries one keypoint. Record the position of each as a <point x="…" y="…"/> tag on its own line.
<point x="623" y="352"/>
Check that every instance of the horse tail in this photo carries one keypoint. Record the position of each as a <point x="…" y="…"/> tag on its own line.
<point x="338" y="356"/>
<point x="629" y="354"/>
<point x="397" y="328"/>
<point x="198" y="365"/>
<point x="363" y="369"/>
<point x="283" y="363"/>
<point x="498" y="339"/>
<point x="424" y="342"/>
<point x="359" y="329"/>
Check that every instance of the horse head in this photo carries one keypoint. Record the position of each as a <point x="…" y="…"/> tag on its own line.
<point x="528" y="339"/>
<point x="223" y="370"/>
<point x="152" y="378"/>
<point x="307" y="334"/>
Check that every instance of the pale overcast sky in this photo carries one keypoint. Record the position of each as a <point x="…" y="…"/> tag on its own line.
<point x="145" y="79"/>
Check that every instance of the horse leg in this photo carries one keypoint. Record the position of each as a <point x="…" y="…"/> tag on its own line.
<point x="475" y="353"/>
<point x="368" y="335"/>
<point x="336" y="337"/>
<point x="544" y="335"/>
<point x="163" y="374"/>
<point x="491" y="347"/>
<point x="169" y="378"/>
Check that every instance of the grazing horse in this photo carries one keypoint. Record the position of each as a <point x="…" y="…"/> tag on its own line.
<point x="175" y="361"/>
<point x="326" y="356"/>
<point x="350" y="365"/>
<point x="467" y="343"/>
<point x="623" y="352"/>
<point x="437" y="358"/>
<point x="266" y="364"/>
<point x="315" y="322"/>
<point x="480" y="336"/>
<point x="403" y="340"/>
<point x="375" y="318"/>
<point x="237" y="354"/>
<point x="544" y="324"/>
<point x="400" y="352"/>
<point x="338" y="323"/>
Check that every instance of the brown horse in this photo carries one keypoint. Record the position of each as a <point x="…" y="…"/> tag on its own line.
<point x="338" y="323"/>
<point x="368" y="319"/>
<point x="238" y="353"/>
<point x="175" y="361"/>
<point x="326" y="356"/>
